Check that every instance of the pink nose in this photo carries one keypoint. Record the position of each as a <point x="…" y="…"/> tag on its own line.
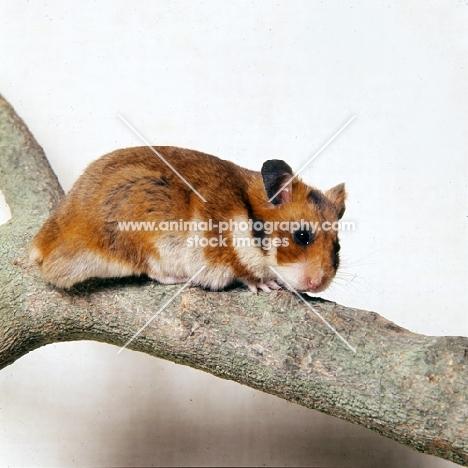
<point x="314" y="283"/>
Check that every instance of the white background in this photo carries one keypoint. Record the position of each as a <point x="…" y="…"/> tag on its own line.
<point x="247" y="81"/>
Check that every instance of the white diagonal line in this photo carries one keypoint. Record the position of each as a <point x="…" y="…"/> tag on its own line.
<point x="161" y="309"/>
<point x="143" y="139"/>
<point x="315" y="312"/>
<point x="313" y="157"/>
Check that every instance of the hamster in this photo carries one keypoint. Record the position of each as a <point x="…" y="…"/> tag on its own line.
<point x="131" y="214"/>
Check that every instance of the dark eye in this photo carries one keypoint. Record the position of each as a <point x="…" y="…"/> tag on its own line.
<point x="336" y="247"/>
<point x="303" y="236"/>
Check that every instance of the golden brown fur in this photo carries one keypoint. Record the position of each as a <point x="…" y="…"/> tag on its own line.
<point x="82" y="239"/>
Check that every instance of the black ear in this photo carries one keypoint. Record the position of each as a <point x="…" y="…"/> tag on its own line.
<point x="275" y="174"/>
<point x="337" y="195"/>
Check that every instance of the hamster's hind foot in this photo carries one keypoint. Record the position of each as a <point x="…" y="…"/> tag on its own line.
<point x="172" y="280"/>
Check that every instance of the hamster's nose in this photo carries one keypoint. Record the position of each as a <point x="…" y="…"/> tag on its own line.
<point x="314" y="282"/>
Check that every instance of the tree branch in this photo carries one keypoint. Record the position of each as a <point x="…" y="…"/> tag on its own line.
<point x="409" y="387"/>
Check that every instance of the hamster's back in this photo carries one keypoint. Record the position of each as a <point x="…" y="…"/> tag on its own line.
<point x="80" y="238"/>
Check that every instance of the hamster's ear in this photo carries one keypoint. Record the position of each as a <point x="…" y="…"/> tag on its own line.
<point x="275" y="174"/>
<point x="337" y="195"/>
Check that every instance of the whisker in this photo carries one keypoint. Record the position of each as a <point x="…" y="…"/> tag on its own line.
<point x="347" y="262"/>
<point x="345" y="285"/>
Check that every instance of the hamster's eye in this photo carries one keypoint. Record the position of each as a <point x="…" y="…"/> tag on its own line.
<point x="303" y="236"/>
<point x="336" y="247"/>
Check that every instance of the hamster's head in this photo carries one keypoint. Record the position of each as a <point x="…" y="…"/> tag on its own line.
<point x="305" y="221"/>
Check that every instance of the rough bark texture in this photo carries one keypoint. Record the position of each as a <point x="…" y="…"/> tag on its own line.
<point x="409" y="387"/>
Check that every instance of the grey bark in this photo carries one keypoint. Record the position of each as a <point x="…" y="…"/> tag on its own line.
<point x="408" y="387"/>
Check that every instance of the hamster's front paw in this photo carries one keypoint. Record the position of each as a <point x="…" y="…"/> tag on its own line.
<point x="267" y="287"/>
